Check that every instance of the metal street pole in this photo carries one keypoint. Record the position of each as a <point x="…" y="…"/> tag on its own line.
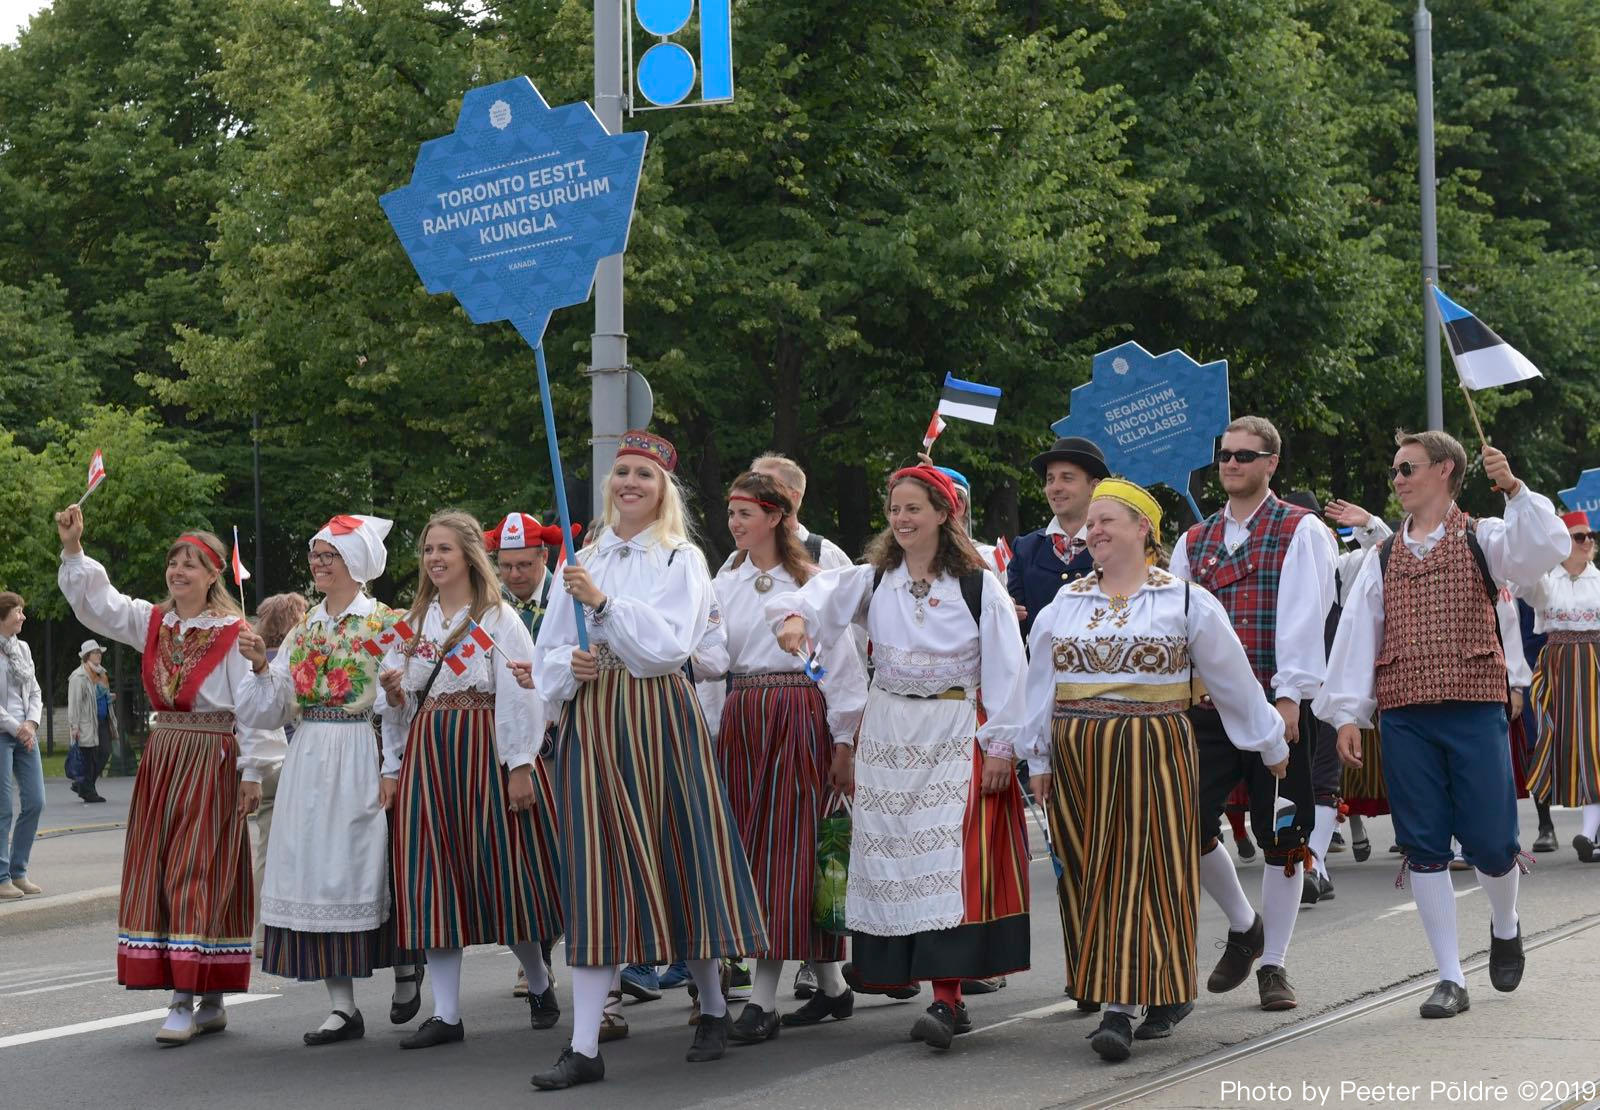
<point x="608" y="363"/>
<point x="1422" y="26"/>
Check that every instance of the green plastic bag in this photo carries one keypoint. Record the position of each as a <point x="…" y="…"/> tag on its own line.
<point x="832" y="872"/>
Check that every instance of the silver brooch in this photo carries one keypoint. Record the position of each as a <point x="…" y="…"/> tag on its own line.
<point x="763" y="583"/>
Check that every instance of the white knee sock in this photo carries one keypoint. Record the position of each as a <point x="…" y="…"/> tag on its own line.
<point x="1436" y="904"/>
<point x="180" y="1018"/>
<point x="1219" y="879"/>
<point x="590" y="985"/>
<point x="1358" y="829"/>
<point x="830" y="978"/>
<point x="531" y="957"/>
<point x="445" y="963"/>
<point x="1591" y="821"/>
<point x="708" y="977"/>
<point x="341" y="996"/>
<point x="1280" y="905"/>
<point x="764" y="984"/>
<point x="1502" y="892"/>
<point x="1322" y="836"/>
<point x="404" y="992"/>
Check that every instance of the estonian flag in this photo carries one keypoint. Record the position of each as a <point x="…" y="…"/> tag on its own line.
<point x="969" y="400"/>
<point x="1482" y="358"/>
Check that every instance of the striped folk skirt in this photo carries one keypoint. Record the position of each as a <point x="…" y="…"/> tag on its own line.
<point x="468" y="870"/>
<point x="309" y="957"/>
<point x="653" y="868"/>
<point x="1364" y="792"/>
<point x="1565" y="766"/>
<point x="1124" y="820"/>
<point x="187" y="907"/>
<point x="775" y="751"/>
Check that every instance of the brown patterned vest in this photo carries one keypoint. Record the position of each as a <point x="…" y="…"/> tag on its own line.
<point x="1441" y="641"/>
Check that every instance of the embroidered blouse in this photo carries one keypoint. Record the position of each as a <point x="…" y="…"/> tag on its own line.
<point x="1565" y="603"/>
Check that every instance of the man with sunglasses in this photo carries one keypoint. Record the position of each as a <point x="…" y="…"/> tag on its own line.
<point x="1420" y="643"/>
<point x="1271" y="564"/>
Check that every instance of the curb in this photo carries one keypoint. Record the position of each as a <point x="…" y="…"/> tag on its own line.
<point x="46" y="911"/>
<point x="68" y="830"/>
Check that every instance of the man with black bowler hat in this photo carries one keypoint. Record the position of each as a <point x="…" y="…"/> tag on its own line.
<point x="1046" y="559"/>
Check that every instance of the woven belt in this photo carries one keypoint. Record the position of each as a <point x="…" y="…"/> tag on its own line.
<point x="460" y="699"/>
<point x="955" y="693"/>
<point x="606" y="659"/>
<point x="333" y="714"/>
<point x="1102" y="708"/>
<point x="769" y="679"/>
<point x="1574" y="636"/>
<point x="218" y="721"/>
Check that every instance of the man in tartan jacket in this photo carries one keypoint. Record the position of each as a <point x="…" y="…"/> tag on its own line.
<point x="1271" y="565"/>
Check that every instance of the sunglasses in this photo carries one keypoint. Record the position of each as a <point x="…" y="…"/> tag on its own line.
<point x="1585" y="537"/>
<point x="1243" y="456"/>
<point x="1407" y="469"/>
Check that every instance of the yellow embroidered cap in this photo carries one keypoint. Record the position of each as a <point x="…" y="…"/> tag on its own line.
<point x="1134" y="496"/>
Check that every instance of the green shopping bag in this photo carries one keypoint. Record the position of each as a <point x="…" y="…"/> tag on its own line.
<point x="832" y="871"/>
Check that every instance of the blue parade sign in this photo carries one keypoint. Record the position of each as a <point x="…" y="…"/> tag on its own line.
<point x="1155" y="417"/>
<point x="1585" y="496"/>
<point x="513" y="209"/>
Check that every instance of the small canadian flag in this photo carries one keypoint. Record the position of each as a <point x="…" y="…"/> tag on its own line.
<point x="1002" y="554"/>
<point x="387" y="639"/>
<point x="935" y="428"/>
<point x="239" y="573"/>
<point x="475" y="640"/>
<point x="97" y="474"/>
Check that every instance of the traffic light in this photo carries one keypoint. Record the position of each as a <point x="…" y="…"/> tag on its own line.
<point x="665" y="73"/>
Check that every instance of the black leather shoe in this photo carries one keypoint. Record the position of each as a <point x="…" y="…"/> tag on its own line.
<point x="1336" y="842"/>
<point x="401" y="1013"/>
<point x="571" y="1069"/>
<point x="963" y="1019"/>
<point x="1324" y="888"/>
<point x="1310" y="892"/>
<point x="936" y="1028"/>
<point x="710" y="1039"/>
<point x="1114" y="1039"/>
<point x="1546" y="840"/>
<point x="1088" y="1007"/>
<point x="1246" y="848"/>
<point x="982" y="986"/>
<point x="436" y="1031"/>
<point x="1506" y="961"/>
<point x="820" y="1007"/>
<point x="1584" y="847"/>
<point x="1238" y="954"/>
<point x="1361" y="848"/>
<point x="353" y="1029"/>
<point x="854" y="981"/>
<point x="1446" y="1001"/>
<point x="544" y="1010"/>
<point x="1158" y="1022"/>
<point x="754" y="1025"/>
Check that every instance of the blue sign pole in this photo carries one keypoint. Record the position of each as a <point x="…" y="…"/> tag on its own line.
<point x="561" y="486"/>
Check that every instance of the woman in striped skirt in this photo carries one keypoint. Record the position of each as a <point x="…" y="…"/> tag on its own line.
<point x="474" y="839"/>
<point x="187" y="904"/>
<point x="776" y="750"/>
<point x="1565" y="768"/>
<point x="325" y="895"/>
<point x="653" y="869"/>
<point x="938" y="885"/>
<point x="1109" y="747"/>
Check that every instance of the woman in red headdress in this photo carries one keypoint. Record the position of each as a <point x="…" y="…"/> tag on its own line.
<point x="938" y="886"/>
<point x="187" y="906"/>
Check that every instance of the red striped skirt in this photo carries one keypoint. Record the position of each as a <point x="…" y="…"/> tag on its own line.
<point x="467" y="870"/>
<point x="1564" y="769"/>
<point x="187" y="907"/>
<point x="775" y="751"/>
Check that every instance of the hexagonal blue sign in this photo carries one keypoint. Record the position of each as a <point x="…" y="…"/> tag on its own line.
<point x="1585" y="496"/>
<point x="512" y="210"/>
<point x="1156" y="417"/>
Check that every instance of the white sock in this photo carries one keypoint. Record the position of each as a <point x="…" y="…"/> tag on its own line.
<point x="445" y="963"/>
<point x="1123" y="1008"/>
<point x="531" y="957"/>
<point x="1435" y="896"/>
<point x="404" y="992"/>
<point x="708" y="977"/>
<point x="1280" y="906"/>
<point x="1591" y="821"/>
<point x="1502" y="892"/>
<point x="590" y="986"/>
<point x="830" y="978"/>
<point x="183" y="1016"/>
<point x="1219" y="879"/>
<point x="764" y="984"/>
<point x="341" y="996"/>
<point x="210" y="1006"/>
<point x="1322" y="836"/>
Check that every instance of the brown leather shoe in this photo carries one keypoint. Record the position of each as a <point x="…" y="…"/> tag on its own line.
<point x="1238" y="954"/>
<point x="1276" y="993"/>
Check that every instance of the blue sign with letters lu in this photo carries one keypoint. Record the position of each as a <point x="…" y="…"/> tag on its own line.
<point x="1156" y="417"/>
<point x="512" y="210"/>
<point x="1585" y="496"/>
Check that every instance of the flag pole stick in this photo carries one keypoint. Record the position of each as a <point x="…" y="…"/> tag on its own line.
<point x="79" y="502"/>
<point x="561" y="486"/>
<point x="237" y="581"/>
<point x="1472" y="410"/>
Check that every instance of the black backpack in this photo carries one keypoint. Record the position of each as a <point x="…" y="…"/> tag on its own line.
<point x="813" y="546"/>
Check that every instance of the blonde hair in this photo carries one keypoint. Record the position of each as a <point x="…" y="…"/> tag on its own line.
<point x="481" y="572"/>
<point x="1260" y="427"/>
<point x="1440" y="447"/>
<point x="218" y="598"/>
<point x="672" y="518"/>
<point x="788" y="471"/>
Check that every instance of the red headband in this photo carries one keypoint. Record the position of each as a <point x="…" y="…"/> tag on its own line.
<point x="768" y="505"/>
<point x="1575" y="520"/>
<point x="935" y="478"/>
<point x="211" y="556"/>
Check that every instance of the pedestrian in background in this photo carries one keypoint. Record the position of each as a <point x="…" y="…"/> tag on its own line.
<point x="89" y="716"/>
<point x="21" y="704"/>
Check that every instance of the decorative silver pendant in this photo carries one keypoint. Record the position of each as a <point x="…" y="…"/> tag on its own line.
<point x="623" y="553"/>
<point x="763" y="583"/>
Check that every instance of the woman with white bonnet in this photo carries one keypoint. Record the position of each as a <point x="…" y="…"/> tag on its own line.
<point x="325" y="901"/>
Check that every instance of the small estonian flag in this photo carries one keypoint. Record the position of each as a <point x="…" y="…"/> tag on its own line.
<point x="969" y="400"/>
<point x="1482" y="358"/>
<point x="1284" y="817"/>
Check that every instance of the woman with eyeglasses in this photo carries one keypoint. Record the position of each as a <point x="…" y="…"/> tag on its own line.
<point x="1565" y="767"/>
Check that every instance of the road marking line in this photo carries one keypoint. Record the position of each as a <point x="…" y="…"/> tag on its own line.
<point x="1411" y="907"/>
<point x="4" y="987"/>
<point x="1029" y="1015"/>
<point x="60" y="987"/>
<point x="112" y="1022"/>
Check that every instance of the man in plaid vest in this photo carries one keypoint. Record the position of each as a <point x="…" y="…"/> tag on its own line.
<point x="1271" y="564"/>
<point x="1419" y="643"/>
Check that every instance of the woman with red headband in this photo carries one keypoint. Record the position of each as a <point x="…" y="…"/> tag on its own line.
<point x="187" y="906"/>
<point x="651" y="863"/>
<point x="778" y="733"/>
<point x="938" y="885"/>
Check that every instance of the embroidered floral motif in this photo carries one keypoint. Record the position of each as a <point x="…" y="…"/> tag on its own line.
<point x="923" y="673"/>
<point x="178" y="653"/>
<point x="328" y="664"/>
<point x="1122" y="655"/>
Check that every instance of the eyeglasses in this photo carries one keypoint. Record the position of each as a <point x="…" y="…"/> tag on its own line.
<point x="1243" y="456"/>
<point x="322" y="558"/>
<point x="1407" y="469"/>
<point x="1585" y="537"/>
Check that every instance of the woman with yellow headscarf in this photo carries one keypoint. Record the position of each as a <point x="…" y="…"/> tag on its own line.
<point x="1113" y="661"/>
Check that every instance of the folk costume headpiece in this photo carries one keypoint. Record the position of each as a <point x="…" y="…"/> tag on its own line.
<point x="931" y="476"/>
<point x="519" y="531"/>
<point x="359" y="542"/>
<point x="1136" y="497"/>
<point x="656" y="448"/>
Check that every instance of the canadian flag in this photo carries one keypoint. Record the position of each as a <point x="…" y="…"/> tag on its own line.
<point x="1002" y="554"/>
<point x="935" y="428"/>
<point x="385" y="640"/>
<point x="97" y="474"/>
<point x="239" y="573"/>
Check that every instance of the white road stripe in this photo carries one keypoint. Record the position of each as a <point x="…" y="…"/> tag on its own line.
<point x="1411" y="907"/>
<point x="112" y="1022"/>
<point x="60" y="987"/>
<point x="61" y="978"/>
